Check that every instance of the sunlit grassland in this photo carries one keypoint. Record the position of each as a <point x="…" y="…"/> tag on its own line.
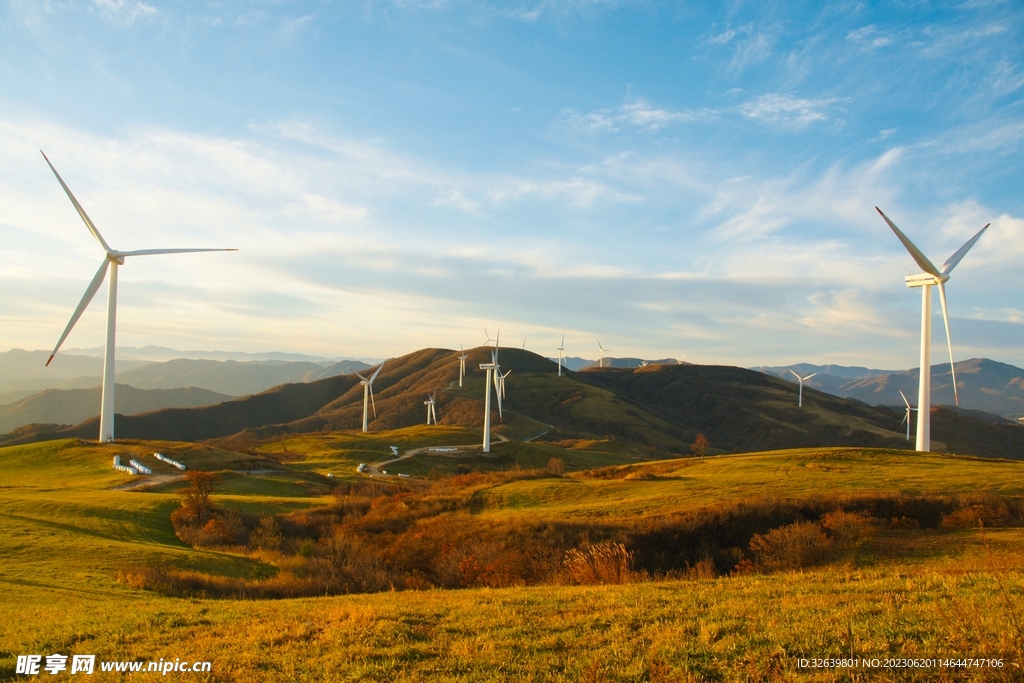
<point x="794" y="474"/>
<point x="64" y="535"/>
<point x="737" y="628"/>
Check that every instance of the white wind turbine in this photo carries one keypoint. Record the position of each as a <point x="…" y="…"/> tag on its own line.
<point x="462" y="364"/>
<point x="431" y="411"/>
<point x="600" y="363"/>
<point x="906" y="418"/>
<point x="368" y="394"/>
<point x="932" y="276"/>
<point x="561" y="356"/>
<point x="111" y="261"/>
<point x="491" y="369"/>
<point x="800" y="401"/>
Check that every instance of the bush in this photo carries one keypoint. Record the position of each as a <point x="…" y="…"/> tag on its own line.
<point x="267" y="536"/>
<point x="796" y="545"/>
<point x="847" y="528"/>
<point x="601" y="563"/>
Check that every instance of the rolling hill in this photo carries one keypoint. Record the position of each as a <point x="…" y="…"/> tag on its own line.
<point x="654" y="409"/>
<point x="75" y="405"/>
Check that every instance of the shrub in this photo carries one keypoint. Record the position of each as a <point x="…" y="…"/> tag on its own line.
<point x="267" y="536"/>
<point x="600" y="563"/>
<point x="556" y="467"/>
<point x="789" y="547"/>
<point x="847" y="528"/>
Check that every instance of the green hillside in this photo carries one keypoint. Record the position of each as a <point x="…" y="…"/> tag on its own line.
<point x="69" y="534"/>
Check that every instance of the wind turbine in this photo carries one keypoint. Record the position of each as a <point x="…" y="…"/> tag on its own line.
<point x="462" y="364"/>
<point x="111" y="261"/>
<point x="368" y="394"/>
<point x="561" y="356"/>
<point x="932" y="276"/>
<point x="491" y="368"/>
<point x="906" y="418"/>
<point x="600" y="363"/>
<point x="489" y="340"/>
<point x="431" y="412"/>
<point x="800" y="401"/>
<point x="524" y="343"/>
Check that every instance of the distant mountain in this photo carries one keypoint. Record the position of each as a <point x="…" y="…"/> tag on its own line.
<point x="983" y="384"/>
<point x="23" y="373"/>
<point x="154" y="354"/>
<point x="232" y="377"/>
<point x="658" y="409"/>
<point x="75" y="405"/>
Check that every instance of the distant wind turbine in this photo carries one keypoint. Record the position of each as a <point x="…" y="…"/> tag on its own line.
<point x="524" y="343"/>
<point x="431" y="411"/>
<point x="800" y="401"/>
<point x="932" y="276"/>
<point x="906" y="418"/>
<point x="368" y="394"/>
<point x="600" y="363"/>
<point x="462" y="364"/>
<point x="111" y="261"/>
<point x="561" y="356"/>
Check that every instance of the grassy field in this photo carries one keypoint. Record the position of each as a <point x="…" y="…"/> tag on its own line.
<point x="65" y="533"/>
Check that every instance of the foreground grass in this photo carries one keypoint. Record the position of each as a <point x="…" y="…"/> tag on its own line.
<point x="741" y="628"/>
<point x="64" y="535"/>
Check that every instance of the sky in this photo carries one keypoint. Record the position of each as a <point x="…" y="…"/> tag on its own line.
<point x="672" y="178"/>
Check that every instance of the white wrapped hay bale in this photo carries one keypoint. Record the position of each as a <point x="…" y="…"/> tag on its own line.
<point x="173" y="463"/>
<point x="142" y="469"/>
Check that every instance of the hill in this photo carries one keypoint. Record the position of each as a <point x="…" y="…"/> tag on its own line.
<point x="75" y="405"/>
<point x="658" y="409"/>
<point x="76" y="547"/>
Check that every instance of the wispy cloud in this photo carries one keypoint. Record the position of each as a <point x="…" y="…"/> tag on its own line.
<point x="124" y="12"/>
<point x="785" y="109"/>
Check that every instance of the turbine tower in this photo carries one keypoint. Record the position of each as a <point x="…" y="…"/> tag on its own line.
<point x="368" y="394"/>
<point x="906" y="418"/>
<point x="800" y="401"/>
<point x="561" y="356"/>
<point x="431" y="412"/>
<point x="931" y="277"/>
<point x="111" y="261"/>
<point x="490" y="368"/>
<point x="462" y="364"/>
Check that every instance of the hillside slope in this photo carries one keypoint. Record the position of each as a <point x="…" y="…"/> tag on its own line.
<point x="75" y="405"/>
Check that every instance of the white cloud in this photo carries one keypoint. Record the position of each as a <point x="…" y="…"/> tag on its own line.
<point x="779" y="108"/>
<point x="124" y="12"/>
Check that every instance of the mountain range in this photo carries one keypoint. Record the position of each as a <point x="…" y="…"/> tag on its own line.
<point x="983" y="384"/>
<point x="653" y="410"/>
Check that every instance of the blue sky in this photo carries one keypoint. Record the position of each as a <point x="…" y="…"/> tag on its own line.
<point x="672" y="178"/>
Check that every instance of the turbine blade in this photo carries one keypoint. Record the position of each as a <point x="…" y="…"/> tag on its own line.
<point x="97" y="280"/>
<point x="151" y="252"/>
<point x="950" y="264"/>
<point x="78" y="207"/>
<point x="372" y="402"/>
<point x="922" y="260"/>
<point x="795" y="375"/>
<point x="905" y="418"/>
<point x="361" y="377"/>
<point x="905" y="400"/>
<point x="949" y="341"/>
<point x="374" y="376"/>
<point x="809" y="376"/>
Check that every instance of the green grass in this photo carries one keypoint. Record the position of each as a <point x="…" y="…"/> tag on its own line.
<point x="689" y="483"/>
<point x="65" y="533"/>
